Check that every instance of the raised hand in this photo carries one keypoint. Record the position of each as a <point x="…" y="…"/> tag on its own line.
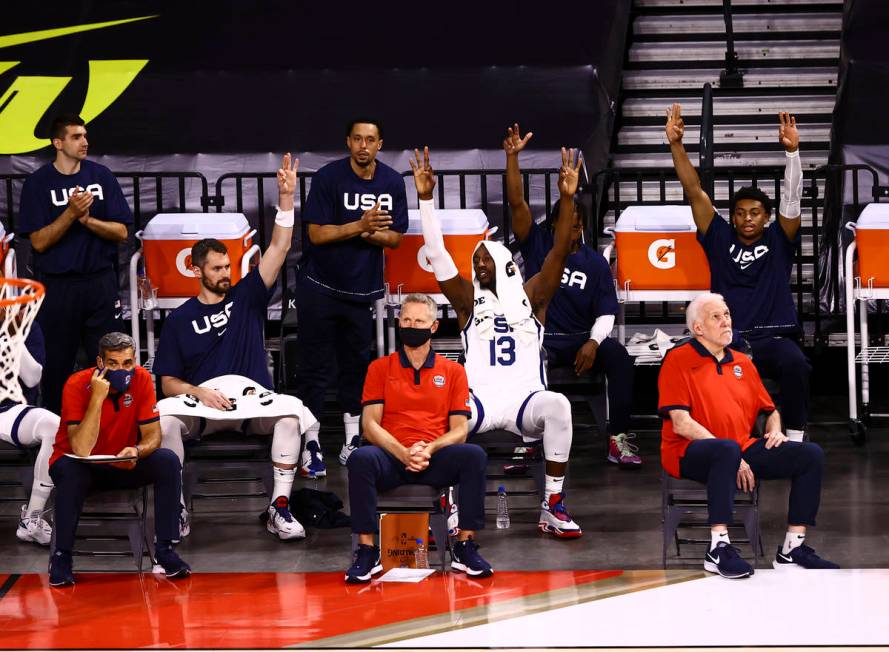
<point x="675" y="125"/>
<point x="287" y="175"/>
<point x="98" y="385"/>
<point x="80" y="201"/>
<point x="569" y="173"/>
<point x="424" y="176"/>
<point x="787" y="132"/>
<point x="513" y="143"/>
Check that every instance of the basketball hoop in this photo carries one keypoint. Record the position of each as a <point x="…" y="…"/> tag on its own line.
<point x="20" y="299"/>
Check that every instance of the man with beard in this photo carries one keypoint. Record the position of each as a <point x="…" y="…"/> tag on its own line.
<point x="221" y="332"/>
<point x="356" y="206"/>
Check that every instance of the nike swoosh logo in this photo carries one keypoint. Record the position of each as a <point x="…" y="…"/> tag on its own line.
<point x="715" y="560"/>
<point x="222" y="332"/>
<point x="784" y="557"/>
<point x="11" y="40"/>
<point x="746" y="266"/>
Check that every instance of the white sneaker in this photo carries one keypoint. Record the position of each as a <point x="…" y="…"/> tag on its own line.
<point x="348" y="449"/>
<point x="281" y="521"/>
<point x="555" y="520"/>
<point x="34" y="528"/>
<point x="184" y="522"/>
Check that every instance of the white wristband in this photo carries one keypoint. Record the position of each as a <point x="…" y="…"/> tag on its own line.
<point x="602" y="328"/>
<point x="284" y="218"/>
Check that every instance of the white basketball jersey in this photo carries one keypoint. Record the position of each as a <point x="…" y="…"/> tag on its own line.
<point x="505" y="365"/>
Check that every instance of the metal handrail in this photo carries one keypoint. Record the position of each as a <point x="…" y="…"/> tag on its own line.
<point x="731" y="76"/>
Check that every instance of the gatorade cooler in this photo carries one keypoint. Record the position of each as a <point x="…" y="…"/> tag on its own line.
<point x="872" y="241"/>
<point x="408" y="266"/>
<point x="657" y="250"/>
<point x="167" y="241"/>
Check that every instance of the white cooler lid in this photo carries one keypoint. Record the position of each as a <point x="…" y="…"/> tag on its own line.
<point x="874" y="216"/>
<point x="196" y="226"/>
<point x="667" y="218"/>
<point x="454" y="221"/>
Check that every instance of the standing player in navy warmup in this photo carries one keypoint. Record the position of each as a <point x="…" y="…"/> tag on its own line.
<point x="222" y="331"/>
<point x="76" y="214"/>
<point x="24" y="424"/>
<point x="581" y="314"/>
<point x="356" y="206"/>
<point x="750" y="266"/>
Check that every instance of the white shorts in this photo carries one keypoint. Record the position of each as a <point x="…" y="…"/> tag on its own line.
<point x="502" y="413"/>
<point x="196" y="427"/>
<point x="11" y="419"/>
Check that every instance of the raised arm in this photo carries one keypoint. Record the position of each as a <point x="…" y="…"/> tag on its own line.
<point x="282" y="234"/>
<point x="541" y="287"/>
<point x="83" y="435"/>
<point x="790" y="208"/>
<point x="515" y="194"/>
<point x="701" y="206"/>
<point x="457" y="289"/>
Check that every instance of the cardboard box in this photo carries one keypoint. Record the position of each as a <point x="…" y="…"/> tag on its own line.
<point x="398" y="536"/>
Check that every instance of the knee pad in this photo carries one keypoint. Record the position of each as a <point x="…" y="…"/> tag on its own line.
<point x="286" y="441"/>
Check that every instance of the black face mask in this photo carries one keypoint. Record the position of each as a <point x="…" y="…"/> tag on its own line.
<point x="414" y="337"/>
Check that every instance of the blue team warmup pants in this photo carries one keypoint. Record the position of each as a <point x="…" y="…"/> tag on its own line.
<point x="612" y="359"/>
<point x="715" y="463"/>
<point x="77" y="311"/>
<point x="781" y="359"/>
<point x="73" y="480"/>
<point x="372" y="470"/>
<point x="334" y="336"/>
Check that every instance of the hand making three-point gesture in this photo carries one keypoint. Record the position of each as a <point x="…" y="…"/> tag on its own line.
<point x="788" y="135"/>
<point x="424" y="176"/>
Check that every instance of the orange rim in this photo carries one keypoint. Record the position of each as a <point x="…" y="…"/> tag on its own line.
<point x="36" y="291"/>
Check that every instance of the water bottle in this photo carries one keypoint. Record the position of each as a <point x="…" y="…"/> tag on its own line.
<point x="502" y="509"/>
<point x="420" y="555"/>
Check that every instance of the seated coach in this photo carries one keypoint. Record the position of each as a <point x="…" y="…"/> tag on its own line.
<point x="710" y="397"/>
<point x="111" y="410"/>
<point x="415" y="415"/>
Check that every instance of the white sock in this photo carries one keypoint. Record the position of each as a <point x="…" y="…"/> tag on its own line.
<point x="312" y="434"/>
<point x="350" y="423"/>
<point x="792" y="540"/>
<point x="42" y="486"/>
<point x="552" y="485"/>
<point x="283" y="482"/>
<point x="718" y="537"/>
<point x="795" y="435"/>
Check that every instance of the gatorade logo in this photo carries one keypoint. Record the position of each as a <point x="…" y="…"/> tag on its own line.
<point x="662" y="254"/>
<point x="183" y="263"/>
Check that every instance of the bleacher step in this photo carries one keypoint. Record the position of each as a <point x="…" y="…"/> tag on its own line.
<point x="664" y="52"/>
<point x="741" y="23"/>
<point x="644" y="80"/>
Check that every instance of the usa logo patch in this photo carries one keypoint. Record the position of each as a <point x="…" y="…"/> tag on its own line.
<point x="127" y="400"/>
<point x="737" y="371"/>
<point x="438" y="381"/>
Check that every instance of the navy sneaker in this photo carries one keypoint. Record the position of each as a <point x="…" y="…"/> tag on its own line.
<point x="365" y="566"/>
<point x="61" y="569"/>
<point x="725" y="560"/>
<point x="802" y="557"/>
<point x="465" y="558"/>
<point x="172" y="563"/>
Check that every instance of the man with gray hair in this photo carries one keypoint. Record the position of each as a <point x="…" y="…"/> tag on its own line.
<point x="709" y="398"/>
<point x="110" y="438"/>
<point x="415" y="413"/>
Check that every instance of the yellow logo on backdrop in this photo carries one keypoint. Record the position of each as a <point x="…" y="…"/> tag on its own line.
<point x="28" y="98"/>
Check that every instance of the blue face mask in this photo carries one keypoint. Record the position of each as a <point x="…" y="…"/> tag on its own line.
<point x="119" y="379"/>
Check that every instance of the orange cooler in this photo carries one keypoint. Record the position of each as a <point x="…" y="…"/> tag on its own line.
<point x="872" y="241"/>
<point x="409" y="268"/>
<point x="657" y="250"/>
<point x="166" y="247"/>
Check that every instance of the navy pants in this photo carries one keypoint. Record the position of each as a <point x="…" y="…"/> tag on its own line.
<point x="372" y="470"/>
<point x="781" y="359"/>
<point x="77" y="311"/>
<point x="334" y="336"/>
<point x="612" y="359"/>
<point x="715" y="463"/>
<point x="73" y="480"/>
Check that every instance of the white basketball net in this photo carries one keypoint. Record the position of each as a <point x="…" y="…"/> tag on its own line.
<point x="20" y="300"/>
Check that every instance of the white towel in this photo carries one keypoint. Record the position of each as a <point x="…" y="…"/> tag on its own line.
<point x="510" y="300"/>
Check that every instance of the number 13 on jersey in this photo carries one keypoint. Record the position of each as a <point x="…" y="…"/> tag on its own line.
<point x="502" y="351"/>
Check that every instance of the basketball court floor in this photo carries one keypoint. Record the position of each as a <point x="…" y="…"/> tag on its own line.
<point x="605" y="590"/>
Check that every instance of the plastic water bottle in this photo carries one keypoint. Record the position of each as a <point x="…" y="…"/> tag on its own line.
<point x="502" y="509"/>
<point x="420" y="555"/>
